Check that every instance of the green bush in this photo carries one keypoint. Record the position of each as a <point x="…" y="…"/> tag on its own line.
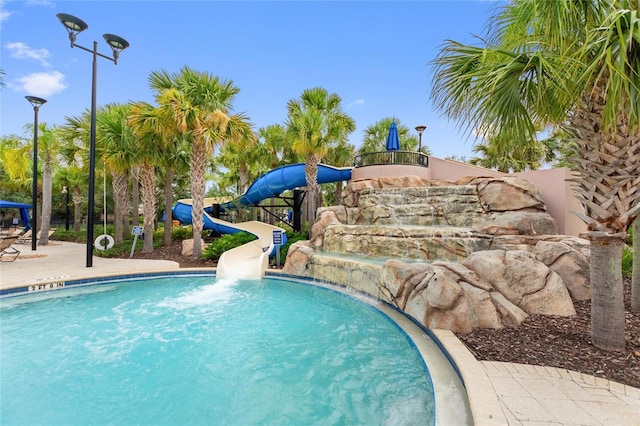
<point x="181" y="232"/>
<point x="627" y="261"/>
<point x="215" y="249"/>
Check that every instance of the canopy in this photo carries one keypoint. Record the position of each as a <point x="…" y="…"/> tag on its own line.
<point x="393" y="141"/>
<point x="24" y="211"/>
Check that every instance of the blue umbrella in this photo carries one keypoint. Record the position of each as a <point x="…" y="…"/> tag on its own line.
<point x="393" y="142"/>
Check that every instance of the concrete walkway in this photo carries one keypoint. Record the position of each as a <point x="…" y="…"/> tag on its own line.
<point x="499" y="393"/>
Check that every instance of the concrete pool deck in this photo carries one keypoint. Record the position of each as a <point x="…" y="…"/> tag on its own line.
<point x="499" y="393"/>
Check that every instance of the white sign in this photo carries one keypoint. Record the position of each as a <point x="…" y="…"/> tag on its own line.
<point x="137" y="230"/>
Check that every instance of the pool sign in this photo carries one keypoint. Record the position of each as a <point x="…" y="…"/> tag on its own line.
<point x="277" y="241"/>
<point x="277" y="238"/>
<point x="135" y="231"/>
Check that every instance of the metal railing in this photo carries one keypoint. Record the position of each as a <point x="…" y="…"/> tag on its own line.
<point x="410" y="158"/>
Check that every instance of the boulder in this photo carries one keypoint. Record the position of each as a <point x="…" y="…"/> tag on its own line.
<point x="187" y="247"/>
<point x="523" y="280"/>
<point x="570" y="264"/>
<point x="298" y="257"/>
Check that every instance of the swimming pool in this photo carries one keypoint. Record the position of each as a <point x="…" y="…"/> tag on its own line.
<point x="197" y="350"/>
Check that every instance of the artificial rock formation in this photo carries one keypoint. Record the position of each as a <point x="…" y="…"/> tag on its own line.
<point x="476" y="253"/>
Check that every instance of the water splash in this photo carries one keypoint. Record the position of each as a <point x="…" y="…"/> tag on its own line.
<point x="221" y="291"/>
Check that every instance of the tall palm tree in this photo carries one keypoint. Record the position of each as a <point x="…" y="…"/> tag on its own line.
<point x="575" y="65"/>
<point x="143" y="119"/>
<point x="119" y="153"/>
<point x="316" y="122"/>
<point x="200" y="106"/>
<point x="48" y="143"/>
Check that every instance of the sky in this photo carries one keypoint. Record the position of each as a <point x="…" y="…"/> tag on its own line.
<point x="375" y="55"/>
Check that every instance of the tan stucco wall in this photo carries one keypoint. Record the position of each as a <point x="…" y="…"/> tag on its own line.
<point x="390" y="170"/>
<point x="558" y="197"/>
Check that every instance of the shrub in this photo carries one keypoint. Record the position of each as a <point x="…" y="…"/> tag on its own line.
<point x="627" y="261"/>
<point x="215" y="249"/>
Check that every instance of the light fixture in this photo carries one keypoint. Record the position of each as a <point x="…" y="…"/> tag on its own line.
<point x="420" y="129"/>
<point x="75" y="26"/>
<point x="36" y="103"/>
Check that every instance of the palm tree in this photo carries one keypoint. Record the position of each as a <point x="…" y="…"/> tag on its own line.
<point x="48" y="143"/>
<point x="315" y="123"/>
<point x="635" y="274"/>
<point x="74" y="137"/>
<point x="118" y="142"/>
<point x="143" y="119"/>
<point x="508" y="157"/>
<point x="340" y="156"/>
<point x="375" y="137"/>
<point x="15" y="164"/>
<point x="575" y="65"/>
<point x="199" y="105"/>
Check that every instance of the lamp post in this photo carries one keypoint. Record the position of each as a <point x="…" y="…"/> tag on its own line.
<point x="36" y="103"/>
<point x="65" y="191"/>
<point x="75" y="26"/>
<point x="420" y="129"/>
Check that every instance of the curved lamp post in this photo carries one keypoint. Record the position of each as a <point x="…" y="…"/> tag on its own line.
<point x="75" y="26"/>
<point x="420" y="129"/>
<point x="36" y="103"/>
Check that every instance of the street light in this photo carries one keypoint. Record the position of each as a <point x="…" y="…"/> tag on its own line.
<point x="420" y="129"/>
<point x="75" y="26"/>
<point x="65" y="191"/>
<point x="36" y="103"/>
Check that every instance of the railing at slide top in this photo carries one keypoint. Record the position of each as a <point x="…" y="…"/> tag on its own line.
<point x="407" y="158"/>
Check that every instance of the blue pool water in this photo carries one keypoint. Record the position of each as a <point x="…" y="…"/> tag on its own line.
<point x="200" y="350"/>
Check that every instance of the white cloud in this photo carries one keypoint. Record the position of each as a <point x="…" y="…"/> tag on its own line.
<point x="20" y="50"/>
<point x="40" y="83"/>
<point x="356" y="102"/>
<point x="4" y="13"/>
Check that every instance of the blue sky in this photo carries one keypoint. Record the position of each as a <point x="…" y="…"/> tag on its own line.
<point x="374" y="54"/>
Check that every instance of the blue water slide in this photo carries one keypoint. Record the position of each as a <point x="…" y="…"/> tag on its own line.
<point x="182" y="212"/>
<point x="266" y="186"/>
<point x="287" y="177"/>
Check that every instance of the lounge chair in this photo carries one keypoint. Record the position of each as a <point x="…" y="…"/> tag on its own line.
<point x="8" y="250"/>
<point x="24" y="238"/>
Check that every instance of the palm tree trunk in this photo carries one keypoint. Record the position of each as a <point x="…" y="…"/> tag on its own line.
<point x="45" y="224"/>
<point x="119" y="185"/>
<point x="168" y="203"/>
<point x="198" y="165"/>
<point x="135" y="195"/>
<point x="77" y="209"/>
<point x="337" y="197"/>
<point x="311" y="174"/>
<point x="635" y="278"/>
<point x="607" y="300"/>
<point x="147" y="179"/>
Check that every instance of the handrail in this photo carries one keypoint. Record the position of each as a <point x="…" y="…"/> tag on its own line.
<point x="411" y="158"/>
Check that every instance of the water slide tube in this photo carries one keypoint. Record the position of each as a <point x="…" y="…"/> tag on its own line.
<point x="252" y="259"/>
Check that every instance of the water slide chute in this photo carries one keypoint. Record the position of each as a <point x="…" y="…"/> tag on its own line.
<point x="252" y="259"/>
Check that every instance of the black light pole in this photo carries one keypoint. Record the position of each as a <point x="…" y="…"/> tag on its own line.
<point x="420" y="129"/>
<point x="75" y="26"/>
<point x="65" y="191"/>
<point x="37" y="103"/>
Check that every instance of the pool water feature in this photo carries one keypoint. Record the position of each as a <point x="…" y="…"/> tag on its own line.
<point x="196" y="350"/>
